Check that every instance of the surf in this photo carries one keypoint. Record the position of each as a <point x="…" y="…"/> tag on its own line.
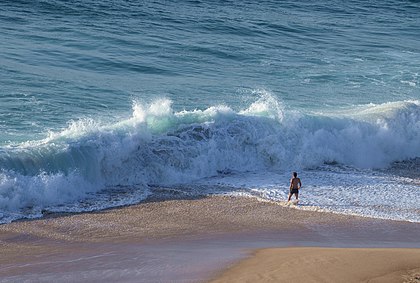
<point x="157" y="146"/>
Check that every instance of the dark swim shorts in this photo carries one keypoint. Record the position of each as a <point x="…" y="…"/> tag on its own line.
<point x="294" y="191"/>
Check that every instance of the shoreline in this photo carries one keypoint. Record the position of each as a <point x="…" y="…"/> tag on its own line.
<point x="192" y="239"/>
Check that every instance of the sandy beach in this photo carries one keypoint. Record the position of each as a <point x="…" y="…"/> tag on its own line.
<point x="196" y="240"/>
<point x="327" y="265"/>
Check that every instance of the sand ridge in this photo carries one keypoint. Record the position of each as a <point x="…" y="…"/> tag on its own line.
<point x="311" y="264"/>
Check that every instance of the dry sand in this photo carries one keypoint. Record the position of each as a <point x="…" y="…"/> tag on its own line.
<point x="190" y="239"/>
<point x="327" y="265"/>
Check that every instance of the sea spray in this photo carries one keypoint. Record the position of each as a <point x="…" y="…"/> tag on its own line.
<point x="160" y="147"/>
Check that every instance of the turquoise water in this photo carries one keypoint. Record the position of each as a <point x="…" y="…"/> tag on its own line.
<point x="102" y="101"/>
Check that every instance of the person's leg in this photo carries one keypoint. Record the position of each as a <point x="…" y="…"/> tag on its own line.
<point x="290" y="196"/>
<point x="297" y="196"/>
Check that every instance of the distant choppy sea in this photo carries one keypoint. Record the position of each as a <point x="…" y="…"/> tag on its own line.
<point x="104" y="103"/>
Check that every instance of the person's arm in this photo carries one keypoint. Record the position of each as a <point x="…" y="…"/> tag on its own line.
<point x="300" y="184"/>
<point x="291" y="184"/>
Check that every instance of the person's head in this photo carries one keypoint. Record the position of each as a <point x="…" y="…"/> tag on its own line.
<point x="295" y="174"/>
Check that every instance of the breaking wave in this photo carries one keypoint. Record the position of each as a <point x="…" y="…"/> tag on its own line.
<point x="158" y="146"/>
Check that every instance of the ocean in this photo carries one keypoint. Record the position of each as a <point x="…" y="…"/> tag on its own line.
<point x="107" y="103"/>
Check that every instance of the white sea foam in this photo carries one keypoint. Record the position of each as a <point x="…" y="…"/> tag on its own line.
<point x="344" y="190"/>
<point x="158" y="146"/>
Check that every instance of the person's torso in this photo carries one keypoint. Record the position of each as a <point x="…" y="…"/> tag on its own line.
<point x="295" y="183"/>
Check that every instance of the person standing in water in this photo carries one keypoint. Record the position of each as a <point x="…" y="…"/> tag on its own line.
<point x="295" y="185"/>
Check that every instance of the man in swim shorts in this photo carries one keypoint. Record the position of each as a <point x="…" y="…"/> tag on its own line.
<point x="295" y="185"/>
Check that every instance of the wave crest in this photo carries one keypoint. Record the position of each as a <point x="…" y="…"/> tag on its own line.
<point x="157" y="145"/>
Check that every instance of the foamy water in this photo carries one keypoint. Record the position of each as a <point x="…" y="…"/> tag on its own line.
<point x="350" y="191"/>
<point x="92" y="165"/>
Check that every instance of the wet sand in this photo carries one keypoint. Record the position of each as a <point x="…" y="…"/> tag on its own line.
<point x="180" y="240"/>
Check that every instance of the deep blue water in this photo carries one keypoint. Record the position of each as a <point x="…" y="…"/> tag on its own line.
<point x="99" y="95"/>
